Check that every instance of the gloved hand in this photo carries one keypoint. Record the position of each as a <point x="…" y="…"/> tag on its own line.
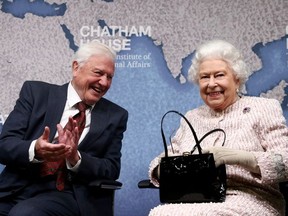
<point x="234" y="157"/>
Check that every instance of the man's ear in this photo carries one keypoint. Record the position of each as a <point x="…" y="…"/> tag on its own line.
<point x="75" y="66"/>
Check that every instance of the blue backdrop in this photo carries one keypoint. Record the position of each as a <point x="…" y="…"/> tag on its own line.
<point x="147" y="93"/>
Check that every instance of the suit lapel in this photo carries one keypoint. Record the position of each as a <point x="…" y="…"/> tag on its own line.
<point x="99" y="120"/>
<point x="57" y="100"/>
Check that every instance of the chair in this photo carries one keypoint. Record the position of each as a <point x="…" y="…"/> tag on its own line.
<point x="146" y="184"/>
<point x="284" y="191"/>
<point x="107" y="184"/>
<point x="107" y="187"/>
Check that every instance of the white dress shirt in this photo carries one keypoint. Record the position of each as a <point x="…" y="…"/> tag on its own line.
<point x="69" y="110"/>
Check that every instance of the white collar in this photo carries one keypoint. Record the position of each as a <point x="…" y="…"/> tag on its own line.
<point x="73" y="97"/>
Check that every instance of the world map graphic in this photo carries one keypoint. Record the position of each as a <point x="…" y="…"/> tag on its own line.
<point x="155" y="41"/>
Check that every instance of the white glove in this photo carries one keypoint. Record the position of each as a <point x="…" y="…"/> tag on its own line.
<point x="234" y="157"/>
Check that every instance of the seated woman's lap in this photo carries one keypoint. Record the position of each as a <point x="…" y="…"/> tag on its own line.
<point x="244" y="204"/>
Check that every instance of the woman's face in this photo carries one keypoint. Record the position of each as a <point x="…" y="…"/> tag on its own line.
<point x="218" y="84"/>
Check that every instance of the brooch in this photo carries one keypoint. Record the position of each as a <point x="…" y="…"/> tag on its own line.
<point x="246" y="110"/>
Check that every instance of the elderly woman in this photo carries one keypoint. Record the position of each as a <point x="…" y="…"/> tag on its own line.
<point x="255" y="151"/>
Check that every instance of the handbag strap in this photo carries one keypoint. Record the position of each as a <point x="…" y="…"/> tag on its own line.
<point x="197" y="145"/>
<point x="208" y="133"/>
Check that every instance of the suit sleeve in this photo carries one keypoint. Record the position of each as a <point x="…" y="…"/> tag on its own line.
<point x="102" y="159"/>
<point x="14" y="146"/>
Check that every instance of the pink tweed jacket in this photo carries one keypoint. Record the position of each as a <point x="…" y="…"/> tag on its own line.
<point x="253" y="124"/>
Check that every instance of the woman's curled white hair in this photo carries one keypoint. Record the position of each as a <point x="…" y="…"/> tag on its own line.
<point x="220" y="49"/>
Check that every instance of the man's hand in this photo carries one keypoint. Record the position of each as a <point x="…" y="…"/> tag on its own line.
<point x="234" y="157"/>
<point x="48" y="151"/>
<point x="70" y="137"/>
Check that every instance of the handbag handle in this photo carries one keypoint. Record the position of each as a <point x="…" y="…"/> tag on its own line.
<point x="197" y="145"/>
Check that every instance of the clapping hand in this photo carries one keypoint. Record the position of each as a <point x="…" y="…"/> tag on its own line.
<point x="44" y="150"/>
<point x="70" y="137"/>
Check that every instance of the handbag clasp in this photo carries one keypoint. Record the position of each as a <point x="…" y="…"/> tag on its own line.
<point x="186" y="153"/>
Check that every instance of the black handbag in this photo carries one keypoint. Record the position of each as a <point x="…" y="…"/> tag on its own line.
<point x="191" y="178"/>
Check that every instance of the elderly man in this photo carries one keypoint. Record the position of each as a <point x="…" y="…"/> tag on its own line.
<point x="59" y="139"/>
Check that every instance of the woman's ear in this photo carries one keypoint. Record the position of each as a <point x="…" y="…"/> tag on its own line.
<point x="237" y="81"/>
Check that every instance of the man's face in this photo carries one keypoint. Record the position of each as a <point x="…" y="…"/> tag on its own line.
<point x="93" y="79"/>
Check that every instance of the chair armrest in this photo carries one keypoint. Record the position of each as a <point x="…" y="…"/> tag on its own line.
<point x="106" y="184"/>
<point x="146" y="184"/>
<point x="284" y="189"/>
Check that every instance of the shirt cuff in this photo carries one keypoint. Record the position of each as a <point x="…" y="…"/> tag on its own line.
<point x="74" y="168"/>
<point x="32" y="158"/>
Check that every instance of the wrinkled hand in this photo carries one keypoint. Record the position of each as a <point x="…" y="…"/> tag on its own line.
<point x="48" y="151"/>
<point x="234" y="157"/>
<point x="70" y="137"/>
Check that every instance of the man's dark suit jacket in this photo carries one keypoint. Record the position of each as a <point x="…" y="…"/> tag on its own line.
<point x="41" y="104"/>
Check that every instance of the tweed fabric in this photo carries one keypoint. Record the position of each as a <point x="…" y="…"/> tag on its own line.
<point x="253" y="124"/>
